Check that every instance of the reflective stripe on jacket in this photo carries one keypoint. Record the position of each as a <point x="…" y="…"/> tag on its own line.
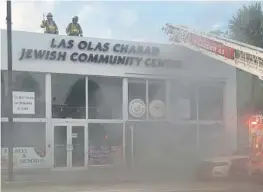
<point x="74" y="29"/>
<point x="50" y="27"/>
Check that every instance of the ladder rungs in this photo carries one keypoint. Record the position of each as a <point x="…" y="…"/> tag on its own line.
<point x="243" y="56"/>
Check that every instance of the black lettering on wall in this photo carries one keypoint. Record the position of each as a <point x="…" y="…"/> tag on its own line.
<point x="121" y="60"/>
<point x="103" y="59"/>
<point x="52" y="55"/>
<point x="90" y="48"/>
<point x="61" y="56"/>
<point x="29" y="53"/>
<point x="98" y="47"/>
<point x="124" y="48"/>
<point x="70" y="44"/>
<point x="106" y="47"/>
<point x="66" y="44"/>
<point x="127" y="61"/>
<point x="62" y="44"/>
<point x="39" y="54"/>
<point x="22" y="54"/>
<point x="53" y="44"/>
<point x="82" y="45"/>
<point x="82" y="57"/>
<point x="86" y="57"/>
<point x="47" y="55"/>
<point x="93" y="58"/>
<point x="113" y="59"/>
<point x="73" y="56"/>
<point x="116" y="48"/>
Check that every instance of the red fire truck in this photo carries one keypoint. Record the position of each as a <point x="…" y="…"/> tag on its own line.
<point x="242" y="56"/>
<point x="255" y="165"/>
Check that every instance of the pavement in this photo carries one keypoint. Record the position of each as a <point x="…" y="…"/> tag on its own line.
<point x="141" y="187"/>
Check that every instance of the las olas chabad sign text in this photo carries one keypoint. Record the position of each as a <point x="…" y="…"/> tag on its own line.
<point x="87" y="52"/>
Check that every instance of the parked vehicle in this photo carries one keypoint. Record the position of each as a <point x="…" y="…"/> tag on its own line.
<point x="233" y="166"/>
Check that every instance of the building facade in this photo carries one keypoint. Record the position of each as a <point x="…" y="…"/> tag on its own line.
<point x="80" y="102"/>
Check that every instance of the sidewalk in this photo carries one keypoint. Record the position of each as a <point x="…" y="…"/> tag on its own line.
<point x="96" y="176"/>
<point x="142" y="187"/>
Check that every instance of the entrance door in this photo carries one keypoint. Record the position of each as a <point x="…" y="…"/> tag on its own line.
<point x="69" y="146"/>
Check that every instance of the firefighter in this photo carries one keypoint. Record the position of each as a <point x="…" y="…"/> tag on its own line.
<point x="74" y="28"/>
<point x="49" y="25"/>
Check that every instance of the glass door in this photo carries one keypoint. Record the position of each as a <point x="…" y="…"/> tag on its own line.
<point x="70" y="146"/>
<point x="61" y="146"/>
<point x="78" y="146"/>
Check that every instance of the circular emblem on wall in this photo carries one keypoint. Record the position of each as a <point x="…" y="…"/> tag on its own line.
<point x="137" y="108"/>
<point x="157" y="108"/>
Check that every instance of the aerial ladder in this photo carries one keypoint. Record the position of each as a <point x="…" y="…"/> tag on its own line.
<point x="240" y="55"/>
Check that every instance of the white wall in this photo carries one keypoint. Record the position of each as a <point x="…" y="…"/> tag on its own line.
<point x="194" y="65"/>
<point x="193" y="62"/>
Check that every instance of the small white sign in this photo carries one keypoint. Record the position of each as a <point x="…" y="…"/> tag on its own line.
<point x="74" y="135"/>
<point x="25" y="157"/>
<point x="137" y="108"/>
<point x="23" y="102"/>
<point x="157" y="108"/>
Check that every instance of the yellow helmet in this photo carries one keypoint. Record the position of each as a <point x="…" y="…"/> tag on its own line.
<point x="75" y="18"/>
<point x="49" y="15"/>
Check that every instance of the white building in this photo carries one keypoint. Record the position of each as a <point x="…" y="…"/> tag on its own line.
<point x="80" y="102"/>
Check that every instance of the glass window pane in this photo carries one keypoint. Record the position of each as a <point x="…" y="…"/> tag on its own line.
<point x="210" y="102"/>
<point x="183" y="100"/>
<point x="29" y="145"/>
<point x="211" y="139"/>
<point x="105" y="144"/>
<point x="161" y="144"/>
<point x="105" y="98"/>
<point x="26" y="82"/>
<point x="137" y="99"/>
<point x="156" y="95"/>
<point x="68" y="96"/>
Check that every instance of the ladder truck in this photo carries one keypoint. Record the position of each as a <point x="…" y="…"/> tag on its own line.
<point x="255" y="164"/>
<point x="240" y="55"/>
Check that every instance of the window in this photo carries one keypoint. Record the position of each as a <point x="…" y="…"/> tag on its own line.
<point x="210" y="102"/>
<point x="26" y="82"/>
<point x="211" y="138"/>
<point x="105" y="144"/>
<point x="183" y="100"/>
<point x="105" y="98"/>
<point x="68" y="96"/>
<point x="29" y="145"/>
<point x="137" y="99"/>
<point x="163" y="144"/>
<point x="156" y="93"/>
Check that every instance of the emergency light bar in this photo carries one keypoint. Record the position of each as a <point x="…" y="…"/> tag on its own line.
<point x="240" y="55"/>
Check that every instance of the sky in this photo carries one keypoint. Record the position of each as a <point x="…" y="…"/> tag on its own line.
<point x="123" y="20"/>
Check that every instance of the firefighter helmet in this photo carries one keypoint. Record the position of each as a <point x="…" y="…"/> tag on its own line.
<point x="76" y="18"/>
<point x="49" y="15"/>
